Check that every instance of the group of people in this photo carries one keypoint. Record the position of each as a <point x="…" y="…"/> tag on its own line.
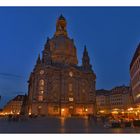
<point x="108" y="121"/>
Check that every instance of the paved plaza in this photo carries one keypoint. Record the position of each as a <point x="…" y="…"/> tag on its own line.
<point x="59" y="125"/>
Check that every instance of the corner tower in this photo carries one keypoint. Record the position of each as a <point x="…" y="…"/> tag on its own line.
<point x="86" y="60"/>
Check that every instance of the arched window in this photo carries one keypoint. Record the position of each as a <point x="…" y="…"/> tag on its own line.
<point x="41" y="90"/>
<point x="70" y="87"/>
<point x="41" y="82"/>
<point x="40" y="98"/>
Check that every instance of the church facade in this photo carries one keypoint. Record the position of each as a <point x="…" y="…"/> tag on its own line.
<point x="58" y="85"/>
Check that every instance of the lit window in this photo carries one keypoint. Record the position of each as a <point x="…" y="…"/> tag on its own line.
<point x="85" y="109"/>
<point x="39" y="107"/>
<point x="40" y="98"/>
<point x="41" y="82"/>
<point x="70" y="74"/>
<point x="41" y="87"/>
<point x="62" y="109"/>
<point x="70" y="87"/>
<point x="41" y="92"/>
<point x="138" y="96"/>
<point x="41" y="72"/>
<point x="83" y="90"/>
<point x="71" y="107"/>
<point x="70" y="99"/>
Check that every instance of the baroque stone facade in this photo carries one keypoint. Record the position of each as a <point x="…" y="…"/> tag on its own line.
<point x="57" y="84"/>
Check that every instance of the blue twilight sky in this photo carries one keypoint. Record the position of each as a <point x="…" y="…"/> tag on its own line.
<point x="110" y="34"/>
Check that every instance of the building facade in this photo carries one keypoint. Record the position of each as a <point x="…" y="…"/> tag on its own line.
<point x="102" y="101"/>
<point x="135" y="76"/>
<point x="116" y="99"/>
<point x="57" y="84"/>
<point x="14" y="106"/>
<point x="120" y="98"/>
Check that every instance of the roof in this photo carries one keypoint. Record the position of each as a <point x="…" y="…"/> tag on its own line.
<point x="136" y="54"/>
<point x="61" y="17"/>
<point x="116" y="90"/>
<point x="102" y="92"/>
<point x="123" y="87"/>
<point x="19" y="98"/>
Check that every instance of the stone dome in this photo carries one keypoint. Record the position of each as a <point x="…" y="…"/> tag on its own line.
<point x="62" y="47"/>
<point x="63" y="50"/>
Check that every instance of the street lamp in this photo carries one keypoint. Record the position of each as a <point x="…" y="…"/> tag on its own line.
<point x="130" y="109"/>
<point x="62" y="112"/>
<point x="62" y="109"/>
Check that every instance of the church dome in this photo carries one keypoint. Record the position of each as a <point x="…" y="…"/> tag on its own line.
<point x="62" y="47"/>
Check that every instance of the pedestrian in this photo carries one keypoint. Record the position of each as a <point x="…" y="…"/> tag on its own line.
<point x="103" y="119"/>
<point x="132" y="124"/>
<point x="122" y="123"/>
<point x="88" y="117"/>
<point x="94" y="119"/>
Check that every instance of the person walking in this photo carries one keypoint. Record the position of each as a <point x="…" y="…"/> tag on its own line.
<point x="132" y="124"/>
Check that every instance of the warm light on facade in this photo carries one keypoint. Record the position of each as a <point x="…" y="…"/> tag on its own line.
<point x="115" y="109"/>
<point x="71" y="107"/>
<point x="39" y="107"/>
<point x="63" y="112"/>
<point x="86" y="109"/>
<point x="130" y="109"/>
<point x="71" y="99"/>
<point x="138" y="95"/>
<point x="114" y="112"/>
<point x="1" y="113"/>
<point x="70" y="74"/>
<point x="29" y="111"/>
<point x="62" y="109"/>
<point x="101" y="111"/>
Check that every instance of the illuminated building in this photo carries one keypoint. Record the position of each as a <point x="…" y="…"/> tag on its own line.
<point x="57" y="84"/>
<point x="117" y="98"/>
<point x="14" y="106"/>
<point x="120" y="97"/>
<point x="102" y="101"/>
<point x="135" y="76"/>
